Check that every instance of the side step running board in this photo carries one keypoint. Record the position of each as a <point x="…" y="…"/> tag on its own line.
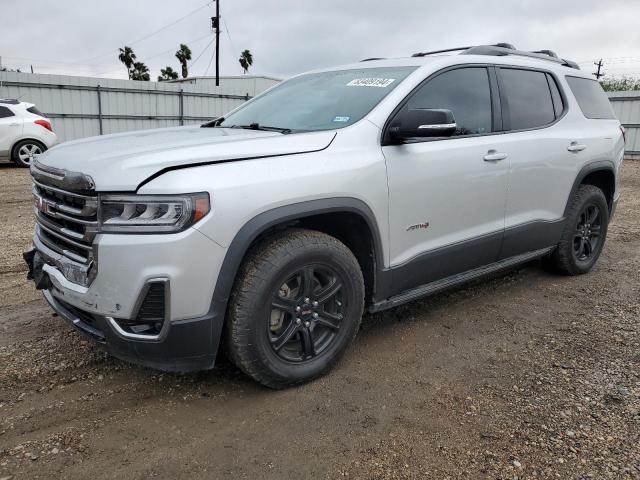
<point x="454" y="280"/>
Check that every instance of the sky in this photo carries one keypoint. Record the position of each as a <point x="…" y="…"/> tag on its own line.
<point x="82" y="37"/>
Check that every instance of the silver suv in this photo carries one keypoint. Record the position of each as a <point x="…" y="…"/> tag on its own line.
<point x="363" y="186"/>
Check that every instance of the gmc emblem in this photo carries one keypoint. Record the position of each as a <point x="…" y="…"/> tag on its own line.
<point x="42" y="205"/>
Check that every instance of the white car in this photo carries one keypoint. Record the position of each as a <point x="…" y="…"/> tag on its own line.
<point x="362" y="186"/>
<point x="24" y="132"/>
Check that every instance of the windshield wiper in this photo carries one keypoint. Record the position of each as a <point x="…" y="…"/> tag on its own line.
<point x="257" y="126"/>
<point x="212" y="123"/>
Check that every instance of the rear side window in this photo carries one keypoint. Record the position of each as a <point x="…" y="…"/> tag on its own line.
<point x="35" y="111"/>
<point x="591" y="98"/>
<point x="5" y="112"/>
<point x="527" y="98"/>
<point x="464" y="91"/>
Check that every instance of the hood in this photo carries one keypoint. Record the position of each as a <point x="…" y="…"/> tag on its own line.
<point x="123" y="161"/>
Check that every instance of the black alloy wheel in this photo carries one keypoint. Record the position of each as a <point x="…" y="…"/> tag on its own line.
<point x="584" y="233"/>
<point x="296" y="306"/>
<point x="306" y="313"/>
<point x="587" y="235"/>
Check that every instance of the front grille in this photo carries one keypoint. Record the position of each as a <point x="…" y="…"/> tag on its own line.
<point x="66" y="218"/>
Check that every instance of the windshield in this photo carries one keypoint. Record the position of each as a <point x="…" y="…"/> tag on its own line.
<point x="319" y="101"/>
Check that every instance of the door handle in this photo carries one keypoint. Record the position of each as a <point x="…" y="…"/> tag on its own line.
<point x="576" y="147"/>
<point x="494" y="156"/>
<point x="14" y="124"/>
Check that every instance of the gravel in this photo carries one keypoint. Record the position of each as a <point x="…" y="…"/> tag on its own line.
<point x="524" y="375"/>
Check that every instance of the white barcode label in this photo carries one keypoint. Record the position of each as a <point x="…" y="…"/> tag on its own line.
<point x="371" y="82"/>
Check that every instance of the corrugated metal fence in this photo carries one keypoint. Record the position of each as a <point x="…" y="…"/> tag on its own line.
<point x="627" y="108"/>
<point x="84" y="106"/>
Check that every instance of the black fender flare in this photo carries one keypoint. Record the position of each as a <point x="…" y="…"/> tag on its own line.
<point x="262" y="222"/>
<point x="600" y="165"/>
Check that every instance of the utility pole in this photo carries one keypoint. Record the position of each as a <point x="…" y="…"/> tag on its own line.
<point x="599" y="73"/>
<point x="215" y="24"/>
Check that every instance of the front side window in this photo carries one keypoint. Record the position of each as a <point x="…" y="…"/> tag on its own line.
<point x="319" y="101"/>
<point x="5" y="112"/>
<point x="464" y="91"/>
<point x="528" y="99"/>
<point x="591" y="98"/>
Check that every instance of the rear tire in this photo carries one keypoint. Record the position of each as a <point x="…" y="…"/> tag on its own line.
<point x="296" y="306"/>
<point x="23" y="152"/>
<point x="584" y="233"/>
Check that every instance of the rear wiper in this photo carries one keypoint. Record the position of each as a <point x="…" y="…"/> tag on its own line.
<point x="257" y="126"/>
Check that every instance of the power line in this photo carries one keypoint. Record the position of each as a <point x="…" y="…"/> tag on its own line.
<point x="226" y="27"/>
<point x="152" y="33"/>
<point x="201" y="53"/>
<point x="213" y="53"/>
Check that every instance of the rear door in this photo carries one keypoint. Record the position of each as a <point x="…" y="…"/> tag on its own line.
<point x="447" y="195"/>
<point x="10" y="130"/>
<point x="542" y="169"/>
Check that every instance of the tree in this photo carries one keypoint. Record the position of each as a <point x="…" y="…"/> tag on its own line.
<point x="140" y="72"/>
<point x="246" y="60"/>
<point x="620" y="84"/>
<point x="167" y="74"/>
<point x="128" y="58"/>
<point x="184" y="55"/>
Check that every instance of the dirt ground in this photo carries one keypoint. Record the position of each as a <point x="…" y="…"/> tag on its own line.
<point x="527" y="375"/>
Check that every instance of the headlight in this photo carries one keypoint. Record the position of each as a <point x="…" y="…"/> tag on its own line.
<point x="151" y="213"/>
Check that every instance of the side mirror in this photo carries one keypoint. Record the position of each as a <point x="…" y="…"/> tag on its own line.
<point x="423" y="122"/>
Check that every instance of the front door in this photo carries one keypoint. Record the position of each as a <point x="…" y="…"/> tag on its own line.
<point x="447" y="195"/>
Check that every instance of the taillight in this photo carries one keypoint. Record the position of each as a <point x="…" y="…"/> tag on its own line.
<point x="624" y="134"/>
<point x="45" y="124"/>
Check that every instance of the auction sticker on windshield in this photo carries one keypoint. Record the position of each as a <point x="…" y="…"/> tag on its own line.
<point x="371" y="82"/>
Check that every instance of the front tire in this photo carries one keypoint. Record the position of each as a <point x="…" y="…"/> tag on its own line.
<point x="24" y="152"/>
<point x="296" y="306"/>
<point x="584" y="233"/>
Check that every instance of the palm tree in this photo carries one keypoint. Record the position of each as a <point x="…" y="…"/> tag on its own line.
<point x="246" y="60"/>
<point x="183" y="55"/>
<point x="167" y="74"/>
<point x="127" y="57"/>
<point x="140" y="72"/>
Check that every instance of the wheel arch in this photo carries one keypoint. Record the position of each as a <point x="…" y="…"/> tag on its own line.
<point x="333" y="216"/>
<point x="600" y="174"/>
<point x="23" y="139"/>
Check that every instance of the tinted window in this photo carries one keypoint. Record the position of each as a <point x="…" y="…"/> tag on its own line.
<point x="591" y="98"/>
<point x="464" y="91"/>
<point x="320" y="101"/>
<point x="528" y="99"/>
<point x="5" y="112"/>
<point x="35" y="111"/>
<point x="558" y="104"/>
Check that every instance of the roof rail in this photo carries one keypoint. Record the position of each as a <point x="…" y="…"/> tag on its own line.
<point x="447" y="50"/>
<point x="500" y="49"/>
<point x="372" y="59"/>
<point x="424" y="54"/>
<point x="496" y="50"/>
<point x="551" y="53"/>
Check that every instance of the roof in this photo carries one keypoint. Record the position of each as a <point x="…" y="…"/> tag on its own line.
<point x="499" y="54"/>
